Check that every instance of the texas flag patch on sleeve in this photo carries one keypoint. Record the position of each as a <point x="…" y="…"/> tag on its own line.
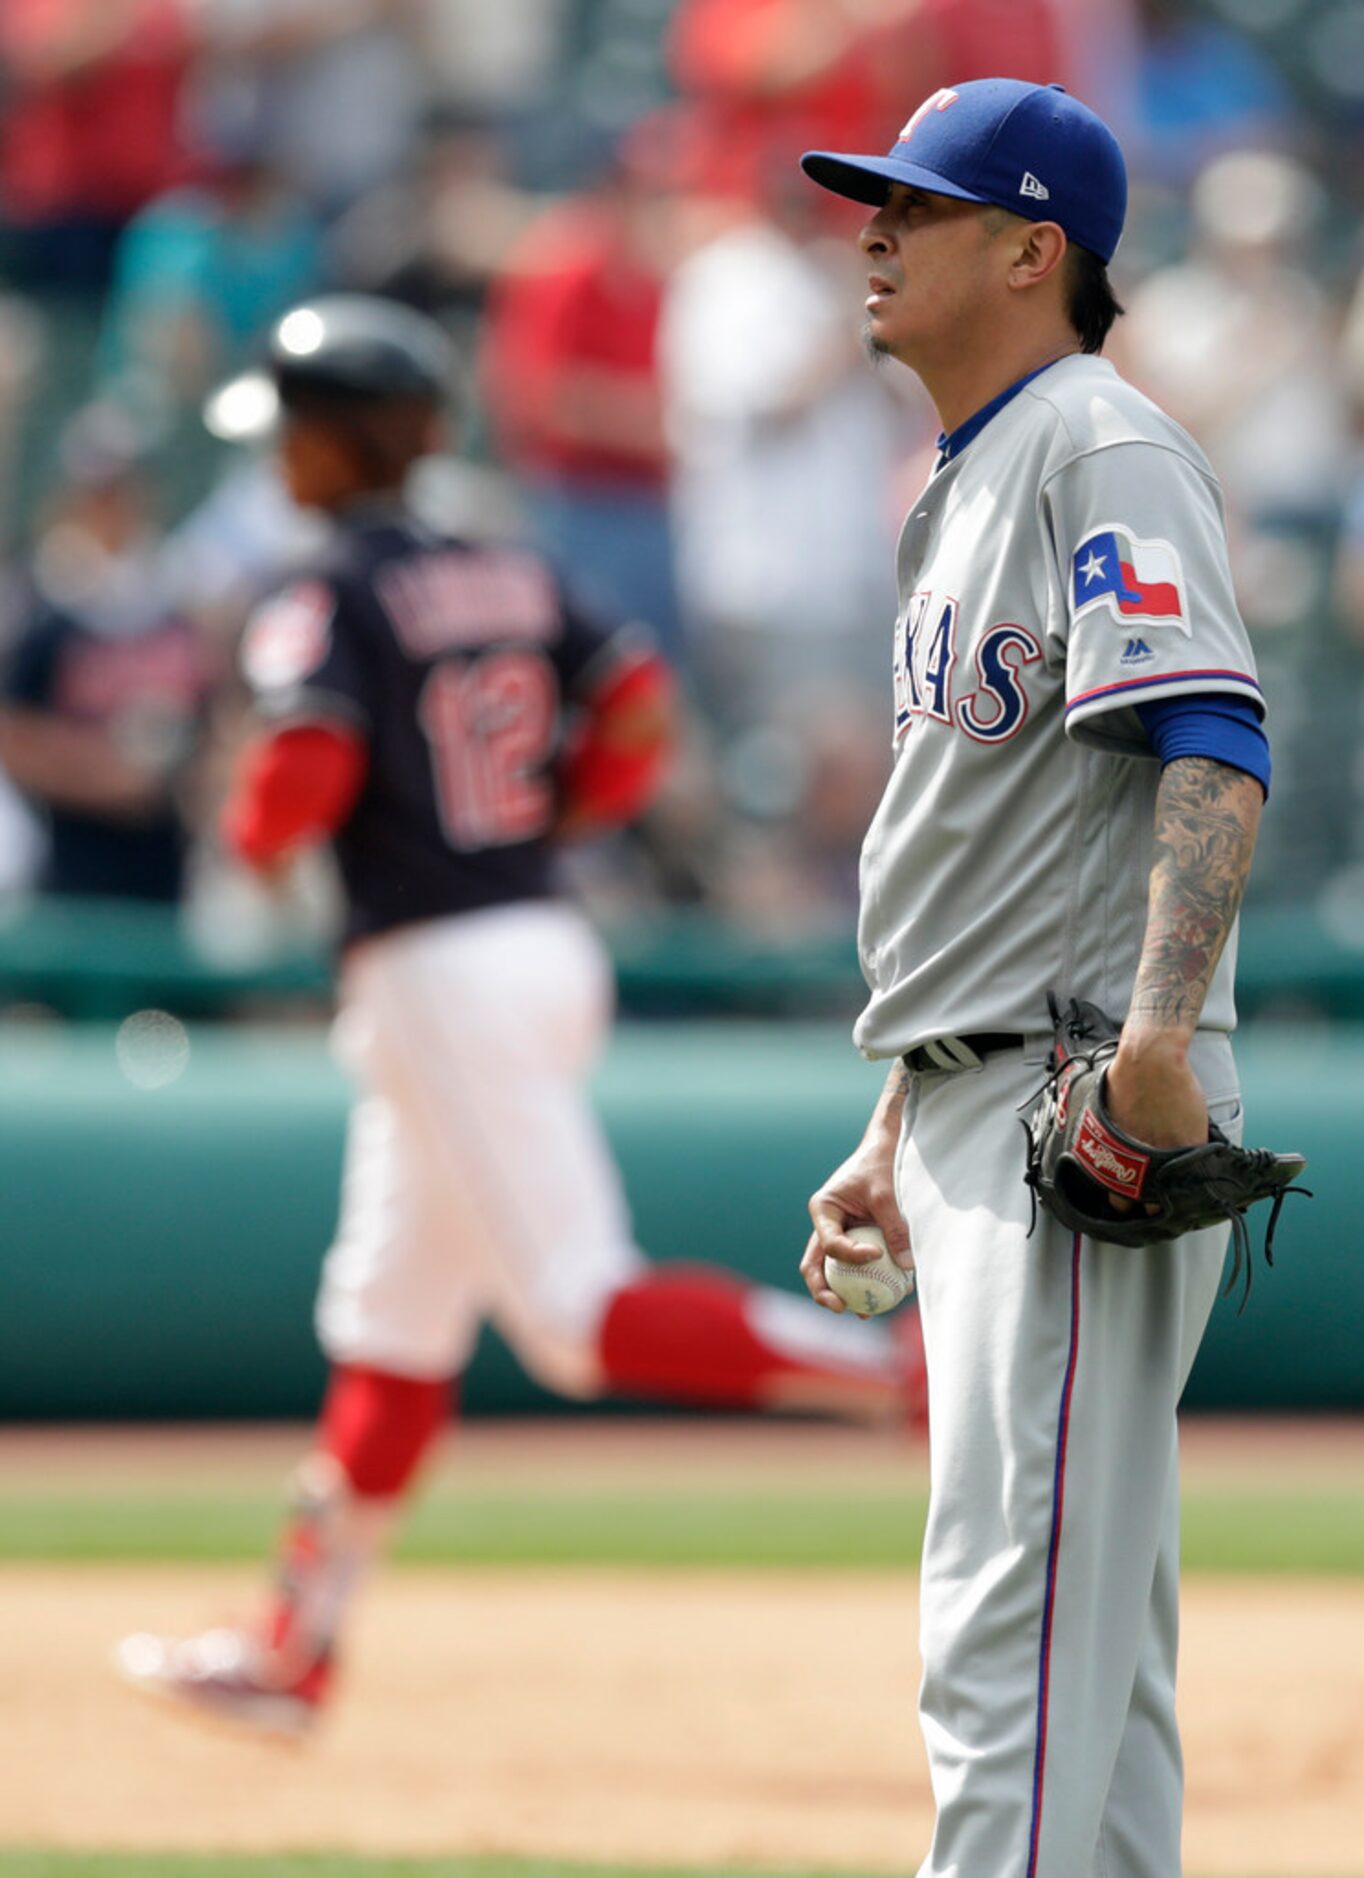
<point x="1134" y="579"/>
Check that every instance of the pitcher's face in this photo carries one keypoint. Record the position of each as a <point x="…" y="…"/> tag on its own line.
<point x="934" y="273"/>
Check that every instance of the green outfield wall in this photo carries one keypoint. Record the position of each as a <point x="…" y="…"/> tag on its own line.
<point x="160" y="1245"/>
<point x="99" y="960"/>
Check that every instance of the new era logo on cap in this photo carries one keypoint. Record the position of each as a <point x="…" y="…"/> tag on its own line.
<point x="1031" y="187"/>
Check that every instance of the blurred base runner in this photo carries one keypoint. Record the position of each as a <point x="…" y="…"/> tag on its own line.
<point x="444" y="714"/>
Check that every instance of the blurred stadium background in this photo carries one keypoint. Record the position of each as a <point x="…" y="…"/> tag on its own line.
<point x="661" y="384"/>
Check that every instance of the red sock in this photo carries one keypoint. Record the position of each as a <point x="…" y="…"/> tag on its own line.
<point x="695" y="1333"/>
<point x="378" y="1426"/>
<point x="374" y="1429"/>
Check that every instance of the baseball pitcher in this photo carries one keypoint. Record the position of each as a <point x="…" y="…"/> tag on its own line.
<point x="1080" y="764"/>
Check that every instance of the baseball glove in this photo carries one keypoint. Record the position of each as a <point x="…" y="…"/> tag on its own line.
<point x="1078" y="1157"/>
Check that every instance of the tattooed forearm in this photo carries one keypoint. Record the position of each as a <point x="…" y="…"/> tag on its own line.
<point x="1206" y="819"/>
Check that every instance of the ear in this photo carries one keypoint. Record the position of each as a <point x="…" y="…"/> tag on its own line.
<point x="1040" y="251"/>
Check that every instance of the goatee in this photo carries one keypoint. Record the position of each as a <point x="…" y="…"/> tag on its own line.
<point x="875" y="348"/>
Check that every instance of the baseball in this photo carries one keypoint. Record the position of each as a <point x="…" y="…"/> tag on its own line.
<point x="872" y="1288"/>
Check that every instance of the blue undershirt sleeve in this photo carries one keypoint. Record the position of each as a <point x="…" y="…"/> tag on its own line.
<point x="1220" y="726"/>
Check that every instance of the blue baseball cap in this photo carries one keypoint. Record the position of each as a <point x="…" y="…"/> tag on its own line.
<point x="1032" y="149"/>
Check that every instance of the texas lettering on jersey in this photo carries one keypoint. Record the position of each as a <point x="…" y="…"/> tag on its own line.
<point x="987" y="699"/>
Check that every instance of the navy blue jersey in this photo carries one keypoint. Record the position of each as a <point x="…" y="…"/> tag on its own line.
<point x="147" y="690"/>
<point x="459" y="665"/>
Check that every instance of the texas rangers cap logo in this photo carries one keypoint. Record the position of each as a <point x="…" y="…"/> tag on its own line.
<point x="1134" y="579"/>
<point x="940" y="101"/>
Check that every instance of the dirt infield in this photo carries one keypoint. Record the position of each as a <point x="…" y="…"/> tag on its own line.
<point x="639" y="1718"/>
<point x="643" y="1717"/>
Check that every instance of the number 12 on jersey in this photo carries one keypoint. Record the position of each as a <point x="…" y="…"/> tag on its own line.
<point x="491" y="723"/>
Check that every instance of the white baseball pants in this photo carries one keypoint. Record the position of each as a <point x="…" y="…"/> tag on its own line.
<point x="477" y="1180"/>
<point x="1049" y="1614"/>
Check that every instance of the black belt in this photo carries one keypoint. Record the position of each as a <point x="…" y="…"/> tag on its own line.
<point x="952" y="1053"/>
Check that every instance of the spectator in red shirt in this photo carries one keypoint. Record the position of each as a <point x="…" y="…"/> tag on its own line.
<point x="790" y="74"/>
<point x="776" y="72"/>
<point x="570" y="378"/>
<point x="91" y="128"/>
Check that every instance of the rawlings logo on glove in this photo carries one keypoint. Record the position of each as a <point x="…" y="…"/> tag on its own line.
<point x="1103" y="1155"/>
<point x="1078" y="1157"/>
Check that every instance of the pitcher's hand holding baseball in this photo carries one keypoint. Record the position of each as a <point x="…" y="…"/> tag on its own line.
<point x="859" y="1193"/>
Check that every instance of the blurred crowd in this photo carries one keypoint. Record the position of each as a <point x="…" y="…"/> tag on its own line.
<point x="662" y="382"/>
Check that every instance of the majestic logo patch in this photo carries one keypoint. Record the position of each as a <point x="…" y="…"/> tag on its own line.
<point x="1136" y="652"/>
<point x="938" y="102"/>
<point x="1120" y="1169"/>
<point x="1030" y="186"/>
<point x="1135" y="579"/>
<point x="289" y="636"/>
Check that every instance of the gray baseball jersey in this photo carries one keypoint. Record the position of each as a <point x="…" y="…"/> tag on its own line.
<point x="1068" y="565"/>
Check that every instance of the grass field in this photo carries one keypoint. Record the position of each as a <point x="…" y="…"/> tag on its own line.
<point x="1284" y="1527"/>
<point x="22" y="1864"/>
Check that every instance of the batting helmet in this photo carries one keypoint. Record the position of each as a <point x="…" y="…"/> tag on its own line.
<point x="349" y="354"/>
<point x="357" y="346"/>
